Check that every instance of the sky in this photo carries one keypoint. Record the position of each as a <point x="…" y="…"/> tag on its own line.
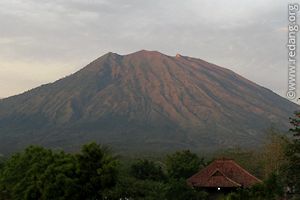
<point x="42" y="41"/>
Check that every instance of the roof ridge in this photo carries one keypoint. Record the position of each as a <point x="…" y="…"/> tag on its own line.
<point x="229" y="179"/>
<point x="232" y="162"/>
<point x="226" y="177"/>
<point x="240" y="167"/>
<point x="199" y="172"/>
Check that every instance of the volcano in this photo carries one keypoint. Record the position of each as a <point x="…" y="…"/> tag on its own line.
<point x="144" y="101"/>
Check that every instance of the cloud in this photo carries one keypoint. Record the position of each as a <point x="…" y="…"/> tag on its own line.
<point x="61" y="36"/>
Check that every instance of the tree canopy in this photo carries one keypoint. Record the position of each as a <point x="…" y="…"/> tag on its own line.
<point x="96" y="173"/>
<point x="39" y="173"/>
<point x="183" y="164"/>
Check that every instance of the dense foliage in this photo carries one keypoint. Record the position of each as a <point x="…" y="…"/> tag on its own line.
<point x="280" y="160"/>
<point x="146" y="169"/>
<point x="291" y="170"/>
<point x="39" y="173"/>
<point x="183" y="164"/>
<point x="95" y="173"/>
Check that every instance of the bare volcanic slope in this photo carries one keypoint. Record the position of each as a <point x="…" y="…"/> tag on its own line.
<point x="145" y="100"/>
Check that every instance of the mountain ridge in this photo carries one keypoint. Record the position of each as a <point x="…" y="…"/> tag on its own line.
<point x="144" y="98"/>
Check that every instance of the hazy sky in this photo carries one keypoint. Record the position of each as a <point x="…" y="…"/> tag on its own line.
<point x="42" y="41"/>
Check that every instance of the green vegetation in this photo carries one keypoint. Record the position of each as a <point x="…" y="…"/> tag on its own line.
<point x="280" y="161"/>
<point x="291" y="169"/>
<point x="271" y="189"/>
<point x="96" y="173"/>
<point x="183" y="164"/>
<point x="39" y="173"/>
<point x="147" y="170"/>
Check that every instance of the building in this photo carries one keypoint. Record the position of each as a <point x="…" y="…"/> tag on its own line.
<point x="222" y="175"/>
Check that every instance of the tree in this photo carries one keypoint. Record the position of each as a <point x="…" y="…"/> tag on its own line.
<point x="274" y="153"/>
<point x="145" y="169"/>
<point x="19" y="177"/>
<point x="291" y="171"/>
<point x="97" y="170"/>
<point x="251" y="160"/>
<point x="178" y="189"/>
<point x="270" y="189"/>
<point x="2" y="161"/>
<point x="59" y="180"/>
<point x="131" y="188"/>
<point x="38" y="173"/>
<point x="183" y="164"/>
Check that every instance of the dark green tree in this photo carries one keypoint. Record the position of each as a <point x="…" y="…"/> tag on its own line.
<point x="20" y="175"/>
<point x="291" y="171"/>
<point x="178" y="189"/>
<point x="183" y="164"/>
<point x="132" y="188"/>
<point x="97" y="170"/>
<point x="145" y="169"/>
<point x="273" y="187"/>
<point x="38" y="173"/>
<point x="2" y="161"/>
<point x="270" y="189"/>
<point x="59" y="180"/>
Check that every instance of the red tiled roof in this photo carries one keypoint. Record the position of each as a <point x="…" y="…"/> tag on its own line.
<point x="223" y="173"/>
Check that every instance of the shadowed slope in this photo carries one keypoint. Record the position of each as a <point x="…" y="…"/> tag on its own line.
<point x="144" y="100"/>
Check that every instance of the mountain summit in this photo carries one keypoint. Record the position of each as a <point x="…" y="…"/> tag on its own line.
<point x="145" y="100"/>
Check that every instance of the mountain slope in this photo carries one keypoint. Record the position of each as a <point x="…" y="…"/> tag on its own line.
<point x="144" y="100"/>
